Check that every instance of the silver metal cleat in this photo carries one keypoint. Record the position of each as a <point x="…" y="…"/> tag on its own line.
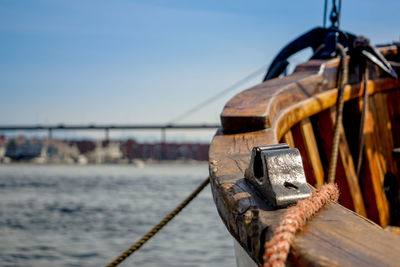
<point x="278" y="174"/>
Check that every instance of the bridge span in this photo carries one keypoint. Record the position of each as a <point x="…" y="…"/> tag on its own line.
<point x="107" y="127"/>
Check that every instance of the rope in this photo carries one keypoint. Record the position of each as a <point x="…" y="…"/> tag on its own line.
<point x="325" y="10"/>
<point x="335" y="14"/>
<point x="277" y="249"/>
<point x="339" y="115"/>
<point x="218" y="95"/>
<point x="363" y="113"/>
<point x="159" y="226"/>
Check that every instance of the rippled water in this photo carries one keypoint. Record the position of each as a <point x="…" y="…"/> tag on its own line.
<point x="87" y="215"/>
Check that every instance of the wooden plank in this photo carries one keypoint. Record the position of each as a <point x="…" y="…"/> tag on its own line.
<point x="312" y="150"/>
<point x="325" y="125"/>
<point x="247" y="110"/>
<point x="351" y="175"/>
<point x="394" y="115"/>
<point x="334" y="236"/>
<point x="261" y="116"/>
<point x="393" y="229"/>
<point x="312" y="105"/>
<point x="264" y="105"/>
<point x="394" y="119"/>
<point x="346" y="177"/>
<point x="312" y="164"/>
<point x="288" y="138"/>
<point x="384" y="132"/>
<point x="374" y="165"/>
<point x="300" y="145"/>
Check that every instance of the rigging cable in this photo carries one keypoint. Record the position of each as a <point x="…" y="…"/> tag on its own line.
<point x="325" y="10"/>
<point x="339" y="12"/>
<point x="159" y="226"/>
<point x="339" y="114"/>
<point x="335" y="14"/>
<point x="218" y="95"/>
<point x="361" y="138"/>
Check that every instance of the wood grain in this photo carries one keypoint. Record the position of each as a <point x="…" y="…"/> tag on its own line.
<point x="264" y="115"/>
<point x="374" y="164"/>
<point x="312" y="154"/>
<point x="325" y="126"/>
<point x="335" y="235"/>
<point x="300" y="145"/>
<point x="288" y="139"/>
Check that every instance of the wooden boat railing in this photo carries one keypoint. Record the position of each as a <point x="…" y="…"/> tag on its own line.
<point x="299" y="110"/>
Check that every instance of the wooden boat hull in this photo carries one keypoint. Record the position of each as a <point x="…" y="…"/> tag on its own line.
<point x="297" y="109"/>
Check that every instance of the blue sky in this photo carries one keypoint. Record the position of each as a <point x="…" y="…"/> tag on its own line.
<point x="127" y="61"/>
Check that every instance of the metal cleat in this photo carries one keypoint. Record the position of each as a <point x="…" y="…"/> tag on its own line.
<point x="278" y="174"/>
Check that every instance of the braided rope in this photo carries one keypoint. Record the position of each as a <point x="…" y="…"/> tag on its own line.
<point x="159" y="226"/>
<point x="277" y="248"/>
<point x="339" y="114"/>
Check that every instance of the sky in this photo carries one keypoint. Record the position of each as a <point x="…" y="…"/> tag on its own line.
<point x="149" y="61"/>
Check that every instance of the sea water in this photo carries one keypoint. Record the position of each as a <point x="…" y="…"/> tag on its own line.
<point x="87" y="215"/>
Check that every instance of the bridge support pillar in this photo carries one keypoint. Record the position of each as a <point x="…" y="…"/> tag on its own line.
<point x="163" y="145"/>
<point x="163" y="136"/>
<point x="107" y="134"/>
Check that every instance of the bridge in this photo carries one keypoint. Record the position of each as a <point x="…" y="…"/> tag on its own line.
<point x="162" y="127"/>
<point x="108" y="127"/>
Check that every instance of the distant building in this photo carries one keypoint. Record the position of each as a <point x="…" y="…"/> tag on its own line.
<point x="105" y="152"/>
<point x="87" y="151"/>
<point x="164" y="151"/>
<point x="84" y="146"/>
<point x="2" y="148"/>
<point x="23" y="149"/>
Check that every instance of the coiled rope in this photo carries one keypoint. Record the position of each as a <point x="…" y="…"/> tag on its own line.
<point x="159" y="226"/>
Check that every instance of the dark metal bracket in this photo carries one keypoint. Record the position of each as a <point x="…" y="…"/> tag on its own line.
<point x="323" y="41"/>
<point x="315" y="38"/>
<point x="278" y="174"/>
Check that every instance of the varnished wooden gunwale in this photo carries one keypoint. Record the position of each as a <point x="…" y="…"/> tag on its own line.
<point x="264" y="115"/>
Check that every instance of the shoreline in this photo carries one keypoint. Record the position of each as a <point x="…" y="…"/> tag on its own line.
<point x="135" y="163"/>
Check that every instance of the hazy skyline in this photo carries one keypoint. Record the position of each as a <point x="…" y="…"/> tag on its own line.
<point x="150" y="61"/>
